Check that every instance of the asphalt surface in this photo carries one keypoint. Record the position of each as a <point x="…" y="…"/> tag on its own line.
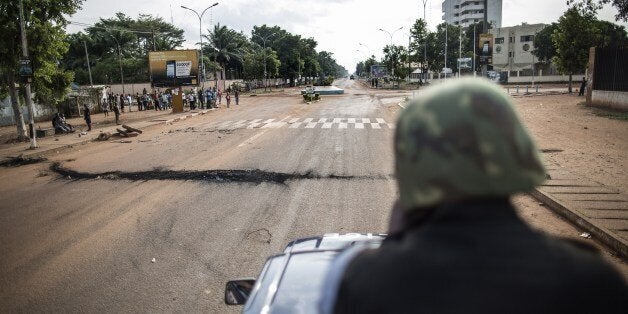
<point x="160" y="223"/>
<point x="78" y="242"/>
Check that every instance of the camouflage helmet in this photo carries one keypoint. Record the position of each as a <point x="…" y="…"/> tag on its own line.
<point x="463" y="140"/>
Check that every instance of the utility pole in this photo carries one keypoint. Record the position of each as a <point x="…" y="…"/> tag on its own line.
<point x="459" y="48"/>
<point x="474" y="71"/>
<point x="484" y="31"/>
<point x="446" y="39"/>
<point x="425" y="45"/>
<point x="89" y="67"/>
<point x="27" y="85"/>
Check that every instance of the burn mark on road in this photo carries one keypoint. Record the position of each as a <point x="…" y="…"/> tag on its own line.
<point x="254" y="176"/>
<point x="21" y="161"/>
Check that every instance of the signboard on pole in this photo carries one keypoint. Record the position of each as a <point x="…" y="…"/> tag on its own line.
<point x="173" y="68"/>
<point x="378" y="71"/>
<point x="464" y="63"/>
<point x="26" y="69"/>
<point x="485" y="49"/>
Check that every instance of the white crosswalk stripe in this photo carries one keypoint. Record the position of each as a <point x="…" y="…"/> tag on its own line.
<point x="307" y="123"/>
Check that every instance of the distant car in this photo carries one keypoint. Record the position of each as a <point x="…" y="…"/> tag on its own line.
<point x="292" y="281"/>
<point x="351" y="77"/>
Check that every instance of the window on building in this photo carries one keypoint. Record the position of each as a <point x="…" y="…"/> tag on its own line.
<point x="456" y="6"/>
<point x="511" y="39"/>
<point x="499" y="40"/>
<point x="456" y="14"/>
<point x="527" y="38"/>
<point x="511" y="54"/>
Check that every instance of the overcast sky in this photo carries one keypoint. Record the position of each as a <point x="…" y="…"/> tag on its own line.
<point x="339" y="26"/>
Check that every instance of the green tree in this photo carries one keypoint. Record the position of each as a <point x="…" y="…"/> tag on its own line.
<point x="394" y="58"/>
<point x="592" y="6"/>
<point x="544" y="48"/>
<point x="418" y="48"/>
<point x="225" y="47"/>
<point x="136" y="37"/>
<point x="45" y="23"/>
<point x="575" y="34"/>
<point x="610" y="34"/>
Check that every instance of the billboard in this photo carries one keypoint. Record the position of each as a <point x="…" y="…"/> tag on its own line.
<point x="378" y="71"/>
<point x="485" y="49"/>
<point x="173" y="68"/>
<point x="465" y="63"/>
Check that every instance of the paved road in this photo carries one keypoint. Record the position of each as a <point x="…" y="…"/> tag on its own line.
<point x="160" y="223"/>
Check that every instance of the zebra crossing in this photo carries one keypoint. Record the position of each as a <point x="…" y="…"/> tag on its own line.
<point x="305" y="123"/>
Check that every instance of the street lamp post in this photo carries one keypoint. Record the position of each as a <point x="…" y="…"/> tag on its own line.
<point x="200" y="32"/>
<point x="392" y="67"/>
<point x="424" y="45"/>
<point x="264" y="42"/>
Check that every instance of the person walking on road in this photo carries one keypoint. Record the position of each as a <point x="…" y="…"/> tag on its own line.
<point x="116" y="112"/>
<point x="236" y="95"/>
<point x="228" y="99"/>
<point x="87" y="116"/>
<point x="455" y="242"/>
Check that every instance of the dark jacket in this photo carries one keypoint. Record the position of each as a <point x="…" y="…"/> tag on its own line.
<point x="479" y="258"/>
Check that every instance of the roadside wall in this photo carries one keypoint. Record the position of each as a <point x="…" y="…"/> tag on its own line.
<point x="42" y="112"/>
<point x="607" y="84"/>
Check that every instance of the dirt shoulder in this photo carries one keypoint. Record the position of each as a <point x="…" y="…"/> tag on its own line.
<point x="586" y="141"/>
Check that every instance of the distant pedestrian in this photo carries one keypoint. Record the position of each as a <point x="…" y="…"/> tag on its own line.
<point x="129" y="101"/>
<point x="582" y="86"/>
<point x="104" y="106"/>
<point x="201" y="99"/>
<point x="122" y="102"/>
<point x="116" y="111"/>
<point x="87" y="116"/>
<point x="219" y="97"/>
<point x="228" y="99"/>
<point x="236" y="95"/>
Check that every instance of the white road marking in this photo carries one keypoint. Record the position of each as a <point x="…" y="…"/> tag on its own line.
<point x="322" y="120"/>
<point x="342" y="125"/>
<point x="375" y="126"/>
<point x="295" y="125"/>
<point x="253" y="125"/>
<point x="327" y="125"/>
<point x="359" y="125"/>
<point x="268" y="121"/>
<point x="252" y="138"/>
<point x="351" y="120"/>
<point x="311" y="125"/>
<point x="308" y="120"/>
<point x="366" y="120"/>
<point x="391" y="125"/>
<point x="337" y="120"/>
<point x="255" y="121"/>
<point x="293" y="120"/>
<point x="380" y="120"/>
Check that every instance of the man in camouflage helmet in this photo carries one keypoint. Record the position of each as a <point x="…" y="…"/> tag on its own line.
<point x="456" y="244"/>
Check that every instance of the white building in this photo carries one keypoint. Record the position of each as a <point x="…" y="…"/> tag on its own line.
<point x="467" y="12"/>
<point x="512" y="47"/>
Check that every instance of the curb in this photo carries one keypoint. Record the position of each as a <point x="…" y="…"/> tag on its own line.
<point x="83" y="142"/>
<point x="615" y="243"/>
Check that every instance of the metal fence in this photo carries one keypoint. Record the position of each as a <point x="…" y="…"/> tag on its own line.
<point x="611" y="69"/>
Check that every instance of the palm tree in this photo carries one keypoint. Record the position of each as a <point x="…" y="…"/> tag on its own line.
<point x="224" y="47"/>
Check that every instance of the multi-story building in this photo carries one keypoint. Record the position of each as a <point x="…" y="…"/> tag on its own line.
<point x="468" y="12"/>
<point x="513" y="46"/>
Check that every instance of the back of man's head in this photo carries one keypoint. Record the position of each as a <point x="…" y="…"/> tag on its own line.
<point x="463" y="140"/>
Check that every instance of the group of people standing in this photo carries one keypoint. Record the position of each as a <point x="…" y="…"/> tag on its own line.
<point x="210" y="98"/>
